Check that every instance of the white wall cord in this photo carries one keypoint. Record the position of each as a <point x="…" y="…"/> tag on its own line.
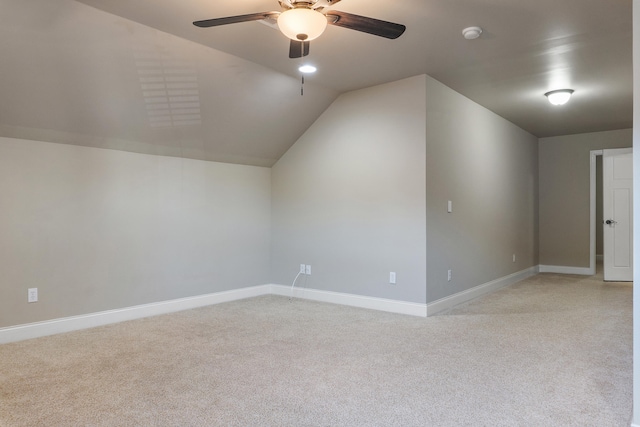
<point x="293" y="284"/>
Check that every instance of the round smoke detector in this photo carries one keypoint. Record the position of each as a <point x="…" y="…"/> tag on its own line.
<point x="472" y="33"/>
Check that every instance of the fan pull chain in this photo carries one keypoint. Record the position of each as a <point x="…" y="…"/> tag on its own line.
<point x="302" y="63"/>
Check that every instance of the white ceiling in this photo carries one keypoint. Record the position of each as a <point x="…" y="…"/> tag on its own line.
<point x="86" y="72"/>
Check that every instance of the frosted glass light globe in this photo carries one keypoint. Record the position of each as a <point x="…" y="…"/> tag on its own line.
<point x="302" y="24"/>
<point x="559" y="97"/>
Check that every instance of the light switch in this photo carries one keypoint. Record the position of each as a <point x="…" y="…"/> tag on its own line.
<point x="449" y="206"/>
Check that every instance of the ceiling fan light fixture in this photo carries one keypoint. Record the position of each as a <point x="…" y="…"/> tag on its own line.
<point x="302" y="24"/>
<point x="307" y="69"/>
<point x="559" y="97"/>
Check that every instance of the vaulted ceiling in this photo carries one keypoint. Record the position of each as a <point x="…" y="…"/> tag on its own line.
<point x="138" y="76"/>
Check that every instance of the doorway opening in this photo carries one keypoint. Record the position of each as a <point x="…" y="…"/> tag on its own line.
<point x="595" y="208"/>
<point x="595" y="200"/>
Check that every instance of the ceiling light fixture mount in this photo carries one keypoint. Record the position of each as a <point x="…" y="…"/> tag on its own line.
<point x="559" y="97"/>
<point x="472" y="33"/>
<point x="302" y="23"/>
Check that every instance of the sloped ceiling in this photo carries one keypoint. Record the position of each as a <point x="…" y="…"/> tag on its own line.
<point x="75" y="74"/>
<point x="138" y="76"/>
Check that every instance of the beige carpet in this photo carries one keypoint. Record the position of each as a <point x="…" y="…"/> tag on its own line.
<point x="550" y="351"/>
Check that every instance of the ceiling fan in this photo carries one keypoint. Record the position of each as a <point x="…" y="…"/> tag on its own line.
<point x="303" y="21"/>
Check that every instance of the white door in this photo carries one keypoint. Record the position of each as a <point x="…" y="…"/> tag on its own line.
<point x="617" y="214"/>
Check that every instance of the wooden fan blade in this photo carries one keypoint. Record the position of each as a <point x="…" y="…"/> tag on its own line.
<point x="373" y="26"/>
<point x="235" y="19"/>
<point x="298" y="49"/>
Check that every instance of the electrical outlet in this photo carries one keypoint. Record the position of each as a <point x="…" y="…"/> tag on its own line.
<point x="448" y="275"/>
<point x="308" y="270"/>
<point x="392" y="277"/>
<point x="32" y="295"/>
<point x="302" y="268"/>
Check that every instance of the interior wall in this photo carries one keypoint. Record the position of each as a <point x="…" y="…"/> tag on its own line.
<point x="487" y="167"/>
<point x="565" y="194"/>
<point x="349" y="196"/>
<point x="97" y="229"/>
<point x="361" y="194"/>
<point x="635" y="421"/>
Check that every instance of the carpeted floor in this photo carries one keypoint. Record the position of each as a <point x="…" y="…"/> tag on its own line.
<point x="549" y="351"/>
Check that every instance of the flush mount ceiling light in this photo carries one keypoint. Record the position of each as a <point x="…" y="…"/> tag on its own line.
<point x="559" y="97"/>
<point x="472" y="33"/>
<point x="302" y="23"/>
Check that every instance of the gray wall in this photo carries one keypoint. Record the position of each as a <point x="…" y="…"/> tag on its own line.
<point x="362" y="193"/>
<point x="564" y="194"/>
<point x="365" y="192"/>
<point x="97" y="229"/>
<point x="635" y="421"/>
<point x="349" y="196"/>
<point x="488" y="168"/>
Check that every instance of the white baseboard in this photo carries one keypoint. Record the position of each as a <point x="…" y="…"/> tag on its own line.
<point x="382" y="304"/>
<point x="74" y="323"/>
<point x="583" y="271"/>
<point x="464" y="296"/>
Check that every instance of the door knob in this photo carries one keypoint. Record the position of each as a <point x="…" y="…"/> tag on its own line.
<point x="610" y="222"/>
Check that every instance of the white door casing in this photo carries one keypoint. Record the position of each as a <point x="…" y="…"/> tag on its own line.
<point x="617" y="189"/>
